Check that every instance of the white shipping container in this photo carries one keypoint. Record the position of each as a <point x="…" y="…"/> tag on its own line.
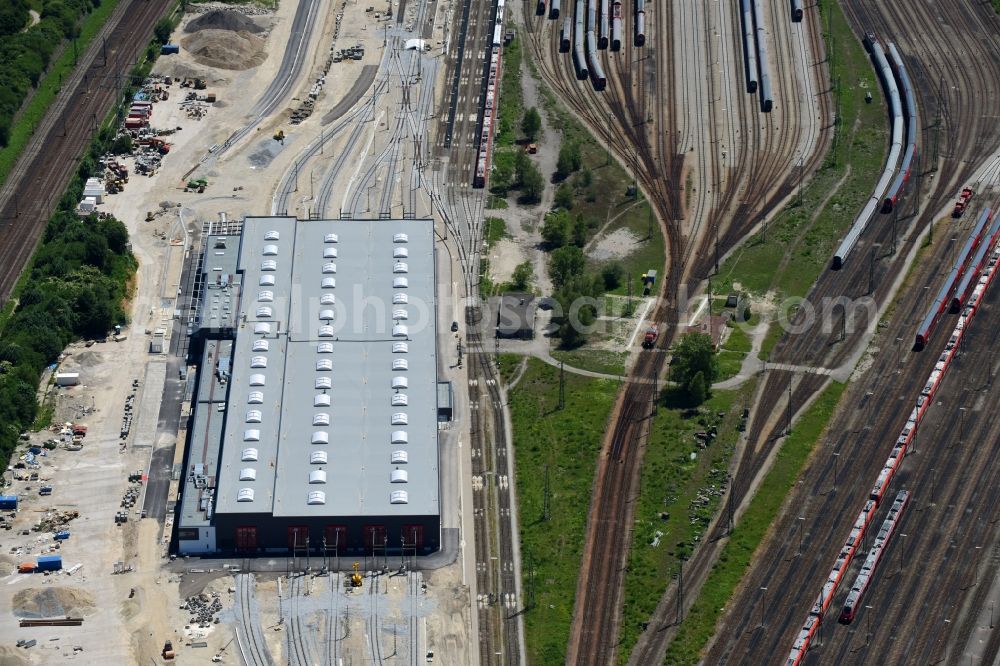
<point x="67" y="378"/>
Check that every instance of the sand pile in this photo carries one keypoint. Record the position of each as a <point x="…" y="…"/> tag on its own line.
<point x="223" y="19"/>
<point x="225" y="49"/>
<point x="36" y="602"/>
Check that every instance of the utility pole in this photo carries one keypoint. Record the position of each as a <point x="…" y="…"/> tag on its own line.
<point x="628" y="283"/>
<point x="895" y="219"/>
<point x="871" y="273"/>
<point x="729" y="504"/>
<point x="680" y="591"/>
<point x="562" y="387"/>
<point x="546" y="513"/>
<point x="763" y="598"/>
<point x="788" y="418"/>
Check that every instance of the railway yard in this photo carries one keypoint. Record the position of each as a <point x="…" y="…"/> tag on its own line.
<point x="721" y="113"/>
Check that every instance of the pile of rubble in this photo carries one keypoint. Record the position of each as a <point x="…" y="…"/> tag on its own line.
<point x="246" y="10"/>
<point x="55" y="520"/>
<point x="204" y="609"/>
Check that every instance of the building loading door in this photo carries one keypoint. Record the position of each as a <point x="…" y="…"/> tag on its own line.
<point x="298" y="538"/>
<point x="246" y="539"/>
<point x="413" y="536"/>
<point x="375" y="537"/>
<point x="336" y="538"/>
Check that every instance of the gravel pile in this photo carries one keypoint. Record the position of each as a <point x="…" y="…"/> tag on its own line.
<point x="247" y="10"/>
<point x="223" y="19"/>
<point x="225" y="49"/>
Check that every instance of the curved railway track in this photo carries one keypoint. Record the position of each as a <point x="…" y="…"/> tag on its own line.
<point x="250" y="641"/>
<point x="50" y="159"/>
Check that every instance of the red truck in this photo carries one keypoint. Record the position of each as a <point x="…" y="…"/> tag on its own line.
<point x="963" y="201"/>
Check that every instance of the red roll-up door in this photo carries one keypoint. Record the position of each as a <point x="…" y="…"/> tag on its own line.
<point x="374" y="536"/>
<point x="413" y="536"/>
<point x="336" y="537"/>
<point x="298" y="537"/>
<point x="246" y="539"/>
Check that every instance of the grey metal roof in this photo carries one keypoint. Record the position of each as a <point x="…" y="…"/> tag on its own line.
<point x="347" y="352"/>
<point x="220" y="282"/>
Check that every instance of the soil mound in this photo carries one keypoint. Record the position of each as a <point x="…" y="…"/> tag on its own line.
<point x="37" y="602"/>
<point x="223" y="19"/>
<point x="225" y="49"/>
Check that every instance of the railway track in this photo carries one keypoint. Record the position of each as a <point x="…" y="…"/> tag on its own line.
<point x="41" y="173"/>
<point x="298" y="650"/>
<point x="249" y="638"/>
<point x="373" y="623"/>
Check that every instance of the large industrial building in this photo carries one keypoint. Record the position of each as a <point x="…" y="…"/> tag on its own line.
<point x="314" y="421"/>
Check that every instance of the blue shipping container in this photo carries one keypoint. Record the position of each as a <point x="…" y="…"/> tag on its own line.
<point x="49" y="563"/>
<point x="170" y="48"/>
<point x="8" y="503"/>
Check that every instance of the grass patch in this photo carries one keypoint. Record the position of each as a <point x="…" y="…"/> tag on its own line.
<point x="729" y="364"/>
<point x="678" y="496"/>
<point x="511" y="100"/>
<point x="595" y="360"/>
<point x="496" y="203"/>
<point x="862" y="130"/>
<point x="494" y="230"/>
<point x="737" y="554"/>
<point x="46" y="411"/>
<point x="567" y="443"/>
<point x="33" y="112"/>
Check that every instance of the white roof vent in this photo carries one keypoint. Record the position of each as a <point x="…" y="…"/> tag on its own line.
<point x="321" y="437"/>
<point x="400" y="238"/>
<point x="251" y="435"/>
<point x="324" y="383"/>
<point x="330" y="238"/>
<point x="261" y="345"/>
<point x="272" y="235"/>
<point x="254" y="416"/>
<point x="399" y="476"/>
<point x="400" y="400"/>
<point x="400" y="364"/>
<point x="266" y="281"/>
<point x="317" y="497"/>
<point x="245" y="495"/>
<point x="400" y="313"/>
<point x="262" y="328"/>
<point x="400" y="437"/>
<point x="317" y="476"/>
<point x="317" y="458"/>
<point x="270" y="250"/>
<point x="400" y="347"/>
<point x="257" y="380"/>
<point x="400" y="418"/>
<point x="321" y="419"/>
<point x="329" y="283"/>
<point x="324" y="348"/>
<point x="324" y="364"/>
<point x="269" y="265"/>
<point x="400" y="299"/>
<point x="327" y="299"/>
<point x="321" y="400"/>
<point x="248" y="474"/>
<point x="329" y="267"/>
<point x="258" y="362"/>
<point x="399" y="497"/>
<point x="400" y="253"/>
<point x="329" y="253"/>
<point x="400" y="382"/>
<point x="325" y="332"/>
<point x="249" y="455"/>
<point x="400" y="283"/>
<point x="326" y="315"/>
<point x="400" y="267"/>
<point x="264" y="312"/>
<point x="400" y="457"/>
<point x="400" y="331"/>
<point x="265" y="296"/>
<point x="256" y="398"/>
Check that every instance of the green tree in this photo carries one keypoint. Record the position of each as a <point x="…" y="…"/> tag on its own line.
<point x="555" y="228"/>
<point x="564" y="196"/>
<point x="697" y="389"/>
<point x="565" y="263"/>
<point x="569" y="159"/>
<point x="612" y="275"/>
<point x="532" y="184"/>
<point x="579" y="231"/>
<point x="521" y="279"/>
<point x="163" y="29"/>
<point x="694" y="354"/>
<point x="531" y="124"/>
